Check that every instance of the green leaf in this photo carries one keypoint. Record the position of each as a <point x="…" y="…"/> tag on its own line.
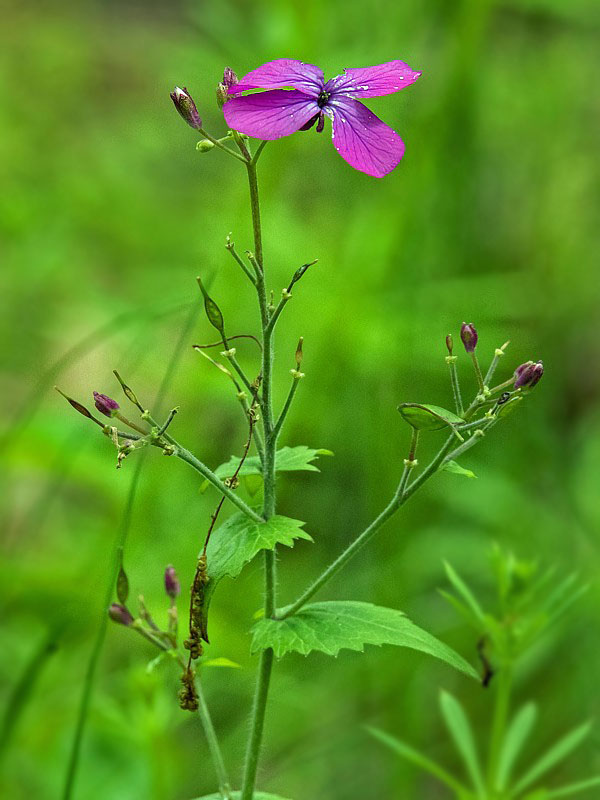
<point x="460" y="730"/>
<point x="515" y="738"/>
<point x="574" y="788"/>
<point x="553" y="756"/>
<point x="221" y="661"/>
<point x="420" y="760"/>
<point x="336" y="625"/>
<point x="288" y="459"/>
<point x="464" y="591"/>
<point x="238" y="540"/>
<point x="456" y="469"/>
<point x="428" y="418"/>
<point x="237" y="796"/>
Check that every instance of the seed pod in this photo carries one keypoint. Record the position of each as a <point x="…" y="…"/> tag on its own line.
<point x="213" y="312"/>
<point x="299" y="352"/>
<point x="79" y="408"/>
<point x="122" y="585"/>
<point x="128" y="392"/>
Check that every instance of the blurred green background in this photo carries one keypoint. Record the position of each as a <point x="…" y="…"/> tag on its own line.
<point x="107" y="214"/>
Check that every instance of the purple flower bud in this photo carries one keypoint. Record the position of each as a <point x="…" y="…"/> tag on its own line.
<point x="120" y="614"/>
<point x="528" y="374"/>
<point x="186" y="107"/>
<point x="469" y="337"/>
<point x="172" y="585"/>
<point x="105" y="404"/>
<point x="229" y="78"/>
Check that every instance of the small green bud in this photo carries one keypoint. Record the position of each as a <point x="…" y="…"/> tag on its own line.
<point x="213" y="312"/>
<point x="204" y="145"/>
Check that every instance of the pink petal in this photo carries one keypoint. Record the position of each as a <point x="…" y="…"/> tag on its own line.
<point x="373" y="81"/>
<point x="270" y="115"/>
<point x="362" y="139"/>
<point x="281" y="73"/>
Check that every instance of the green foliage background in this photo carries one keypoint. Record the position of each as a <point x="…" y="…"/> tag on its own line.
<point x="107" y="213"/>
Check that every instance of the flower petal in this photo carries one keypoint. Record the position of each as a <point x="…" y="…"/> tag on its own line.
<point x="373" y="81"/>
<point x="270" y="115"/>
<point x="281" y="73"/>
<point x="362" y="139"/>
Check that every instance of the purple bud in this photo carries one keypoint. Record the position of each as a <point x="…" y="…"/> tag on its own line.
<point x="229" y="78"/>
<point x="186" y="107"/>
<point x="120" y="614"/>
<point x="105" y="404"/>
<point x="528" y="374"/>
<point x="469" y="337"/>
<point x="172" y="585"/>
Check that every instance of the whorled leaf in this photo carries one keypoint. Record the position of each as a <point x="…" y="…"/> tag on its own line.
<point x="332" y="626"/>
<point x="459" y="728"/>
<point x="238" y="540"/>
<point x="425" y="417"/>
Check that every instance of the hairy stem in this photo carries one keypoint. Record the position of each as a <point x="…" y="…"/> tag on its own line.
<point x="270" y="442"/>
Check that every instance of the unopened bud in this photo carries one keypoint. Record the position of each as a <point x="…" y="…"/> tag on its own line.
<point x="120" y="614"/>
<point x="186" y="107"/>
<point x="299" y="352"/>
<point x="469" y="337"/>
<point x="528" y="374"/>
<point x="204" y="145"/>
<point x="449" y="343"/>
<point x="172" y="585"/>
<point x="229" y="80"/>
<point x="105" y="404"/>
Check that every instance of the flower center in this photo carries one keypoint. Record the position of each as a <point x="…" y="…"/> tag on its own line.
<point x="323" y="98"/>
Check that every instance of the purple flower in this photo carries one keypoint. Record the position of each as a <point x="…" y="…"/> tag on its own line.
<point x="528" y="374"/>
<point x="186" y="107"/>
<point x="469" y="336"/>
<point x="360" y="137"/>
<point x="105" y="404"/>
<point x="172" y="585"/>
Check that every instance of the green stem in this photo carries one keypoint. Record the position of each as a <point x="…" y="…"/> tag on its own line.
<point x="100" y="636"/>
<point x="492" y="368"/>
<point x="501" y="708"/>
<point x="220" y="144"/>
<point x="477" y="372"/>
<point x="213" y="742"/>
<point x="455" y="385"/>
<point x="286" y="407"/>
<point x="210" y="476"/>
<point x="270" y="442"/>
<point x="400" y="497"/>
<point x="409" y="463"/>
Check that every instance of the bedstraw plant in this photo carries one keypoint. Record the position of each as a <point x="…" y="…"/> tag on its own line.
<point x="294" y="97"/>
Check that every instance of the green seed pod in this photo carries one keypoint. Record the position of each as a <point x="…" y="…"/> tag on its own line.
<point x="122" y="586"/>
<point x="213" y="312"/>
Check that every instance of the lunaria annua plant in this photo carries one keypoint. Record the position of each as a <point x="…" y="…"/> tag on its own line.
<point x="302" y="625"/>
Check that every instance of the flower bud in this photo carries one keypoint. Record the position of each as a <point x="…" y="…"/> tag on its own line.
<point x="204" y="146"/>
<point x="186" y="107"/>
<point x="449" y="343"/>
<point x="528" y="374"/>
<point x="229" y="77"/>
<point x="105" y="404"/>
<point x="299" y="352"/>
<point x="172" y="585"/>
<point x="120" y="614"/>
<point x="469" y="337"/>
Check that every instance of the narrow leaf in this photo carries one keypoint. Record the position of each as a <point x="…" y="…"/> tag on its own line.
<point x="420" y="760"/>
<point x="462" y="588"/>
<point x="574" y="788"/>
<point x="553" y="756"/>
<point x="333" y="626"/>
<point x="221" y="661"/>
<point x="460" y="730"/>
<point x="515" y="738"/>
<point x="456" y="469"/>
<point x="237" y="796"/>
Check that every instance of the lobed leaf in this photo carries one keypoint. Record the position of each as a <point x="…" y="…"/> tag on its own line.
<point x="238" y="540"/>
<point x="459" y="728"/>
<point x="337" y="625"/>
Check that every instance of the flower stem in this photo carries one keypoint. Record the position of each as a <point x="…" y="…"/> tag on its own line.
<point x="270" y="443"/>
<point x="501" y="708"/>
<point x="286" y="406"/>
<point x="400" y="497"/>
<point x="213" y="742"/>
<point x="455" y="385"/>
